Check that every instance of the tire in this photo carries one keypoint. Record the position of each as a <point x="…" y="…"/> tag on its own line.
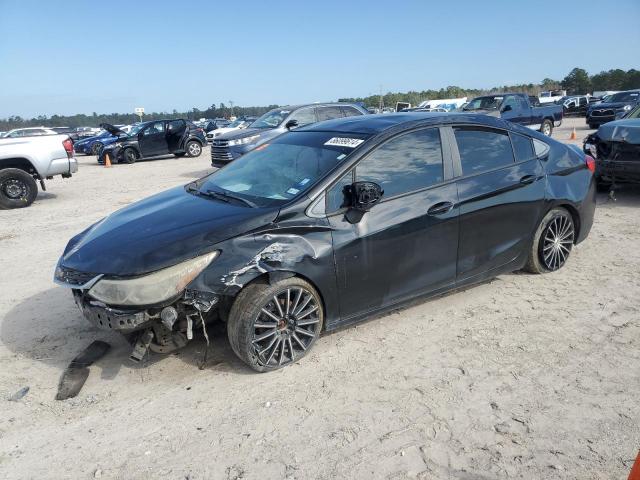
<point x="96" y="148"/>
<point x="18" y="189"/>
<point x="129" y="155"/>
<point x="193" y="148"/>
<point x="552" y="242"/>
<point x="546" y="128"/>
<point x="262" y="334"/>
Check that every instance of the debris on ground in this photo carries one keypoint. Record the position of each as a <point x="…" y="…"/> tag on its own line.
<point x="77" y="372"/>
<point x="19" y="394"/>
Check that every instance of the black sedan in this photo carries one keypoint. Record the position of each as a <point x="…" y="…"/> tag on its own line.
<point x="151" y="139"/>
<point x="329" y="224"/>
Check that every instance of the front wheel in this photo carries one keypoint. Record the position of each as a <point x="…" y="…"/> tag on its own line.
<point x="552" y="242"/>
<point x="546" y="128"/>
<point x="273" y="325"/>
<point x="194" y="149"/>
<point x="130" y="155"/>
<point x="95" y="149"/>
<point x="18" y="189"/>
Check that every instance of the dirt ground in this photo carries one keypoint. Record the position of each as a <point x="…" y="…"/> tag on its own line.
<point x="533" y="377"/>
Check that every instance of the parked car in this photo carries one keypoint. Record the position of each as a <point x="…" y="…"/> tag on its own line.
<point x="73" y="135"/>
<point x="94" y="145"/>
<point x="29" y="132"/>
<point x="616" y="148"/>
<point x="27" y="160"/>
<point x="326" y="225"/>
<point x="518" y="108"/>
<point x="551" y="96"/>
<point x="614" y="108"/>
<point x="154" y="138"/>
<point x="86" y="132"/>
<point x="229" y="146"/>
<point x="576" y="105"/>
<point x="238" y="124"/>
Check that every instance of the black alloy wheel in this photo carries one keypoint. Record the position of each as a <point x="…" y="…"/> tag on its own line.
<point x="558" y="239"/>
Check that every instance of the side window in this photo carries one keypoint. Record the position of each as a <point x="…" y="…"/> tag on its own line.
<point x="482" y="149"/>
<point x="522" y="147"/>
<point x="154" y="128"/>
<point x="511" y="101"/>
<point x="406" y="163"/>
<point x="329" y="113"/>
<point x="304" y="116"/>
<point x="177" y="125"/>
<point x="523" y="103"/>
<point x="335" y="195"/>
<point x="350" y="111"/>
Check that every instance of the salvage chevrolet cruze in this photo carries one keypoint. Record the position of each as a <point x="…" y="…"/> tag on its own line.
<point x="328" y="224"/>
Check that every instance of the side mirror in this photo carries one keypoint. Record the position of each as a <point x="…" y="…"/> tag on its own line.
<point x="364" y="195"/>
<point x="506" y="108"/>
<point x="291" y="124"/>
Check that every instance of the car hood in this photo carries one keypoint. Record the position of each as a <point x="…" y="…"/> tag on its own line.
<point x="111" y="129"/>
<point x="101" y="137"/>
<point x="605" y="106"/>
<point x="158" y="232"/>
<point x="626" y="131"/>
<point x="247" y="132"/>
<point x="223" y="130"/>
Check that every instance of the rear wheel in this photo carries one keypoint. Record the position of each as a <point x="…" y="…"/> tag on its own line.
<point x="193" y="148"/>
<point x="18" y="189"/>
<point x="546" y="128"/>
<point x="130" y="155"/>
<point x="552" y="242"/>
<point x="273" y="325"/>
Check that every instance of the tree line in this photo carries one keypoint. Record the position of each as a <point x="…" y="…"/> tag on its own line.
<point x="577" y="82"/>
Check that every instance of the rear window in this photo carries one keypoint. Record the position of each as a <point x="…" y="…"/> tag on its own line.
<point x="522" y="147"/>
<point x="482" y="149"/>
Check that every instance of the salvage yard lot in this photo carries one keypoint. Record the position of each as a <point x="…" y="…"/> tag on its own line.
<point x="527" y="376"/>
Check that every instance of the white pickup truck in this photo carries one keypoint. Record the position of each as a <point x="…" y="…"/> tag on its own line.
<point x="25" y="160"/>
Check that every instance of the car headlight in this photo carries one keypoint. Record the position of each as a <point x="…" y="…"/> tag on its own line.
<point x="626" y="108"/>
<point x="152" y="288"/>
<point x="243" y="141"/>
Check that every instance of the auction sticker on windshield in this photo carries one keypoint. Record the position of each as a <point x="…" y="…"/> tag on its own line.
<point x="344" y="142"/>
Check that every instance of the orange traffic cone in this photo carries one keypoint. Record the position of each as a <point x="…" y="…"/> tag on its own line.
<point x="107" y="161"/>
<point x="573" y="135"/>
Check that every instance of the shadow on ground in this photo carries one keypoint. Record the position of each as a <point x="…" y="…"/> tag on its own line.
<point x="48" y="327"/>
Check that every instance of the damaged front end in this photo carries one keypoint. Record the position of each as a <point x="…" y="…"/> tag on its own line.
<point x="616" y="148"/>
<point x="157" y="311"/>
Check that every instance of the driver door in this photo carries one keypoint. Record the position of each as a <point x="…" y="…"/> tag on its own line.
<point x="407" y="243"/>
<point x="152" y="140"/>
<point x="177" y="133"/>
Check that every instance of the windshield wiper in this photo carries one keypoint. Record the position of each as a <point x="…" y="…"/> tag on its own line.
<point x="225" y="196"/>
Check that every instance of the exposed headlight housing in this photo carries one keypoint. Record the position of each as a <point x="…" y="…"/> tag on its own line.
<point x="153" y="288"/>
<point x="243" y="141"/>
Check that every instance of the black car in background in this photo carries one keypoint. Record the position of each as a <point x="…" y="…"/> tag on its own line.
<point x="613" y="109"/>
<point x="229" y="146"/>
<point x="329" y="224"/>
<point x="151" y="139"/>
<point x="616" y="148"/>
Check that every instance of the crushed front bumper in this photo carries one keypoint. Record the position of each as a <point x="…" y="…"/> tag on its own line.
<point x="108" y="318"/>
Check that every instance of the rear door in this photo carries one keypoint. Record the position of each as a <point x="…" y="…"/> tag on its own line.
<point x="152" y="140"/>
<point x="407" y="243"/>
<point x="177" y="133"/>
<point x="501" y="195"/>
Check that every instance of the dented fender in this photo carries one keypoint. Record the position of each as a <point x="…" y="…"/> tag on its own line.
<point x="280" y="251"/>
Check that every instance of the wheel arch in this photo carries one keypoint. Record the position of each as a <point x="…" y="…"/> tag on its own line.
<point x="274" y="276"/>
<point x="575" y="216"/>
<point x="20" y="163"/>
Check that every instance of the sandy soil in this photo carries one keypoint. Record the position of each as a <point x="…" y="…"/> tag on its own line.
<point x="526" y="376"/>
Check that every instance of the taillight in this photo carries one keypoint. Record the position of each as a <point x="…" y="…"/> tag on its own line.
<point x="68" y="147"/>
<point x="591" y="163"/>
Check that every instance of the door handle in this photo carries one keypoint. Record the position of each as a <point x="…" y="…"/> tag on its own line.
<point x="440" y="208"/>
<point x="527" y="179"/>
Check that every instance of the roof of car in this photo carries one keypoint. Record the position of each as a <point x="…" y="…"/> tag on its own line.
<point x="374" y="124"/>
<point x="317" y="104"/>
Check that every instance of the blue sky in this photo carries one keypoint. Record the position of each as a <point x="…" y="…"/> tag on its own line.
<point x="71" y="56"/>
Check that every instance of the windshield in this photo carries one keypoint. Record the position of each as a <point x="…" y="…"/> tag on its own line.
<point x="235" y="123"/>
<point x="624" y="97"/>
<point x="634" y="112"/>
<point x="275" y="173"/>
<point x="485" y="103"/>
<point x="271" y="119"/>
<point x="135" y="129"/>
